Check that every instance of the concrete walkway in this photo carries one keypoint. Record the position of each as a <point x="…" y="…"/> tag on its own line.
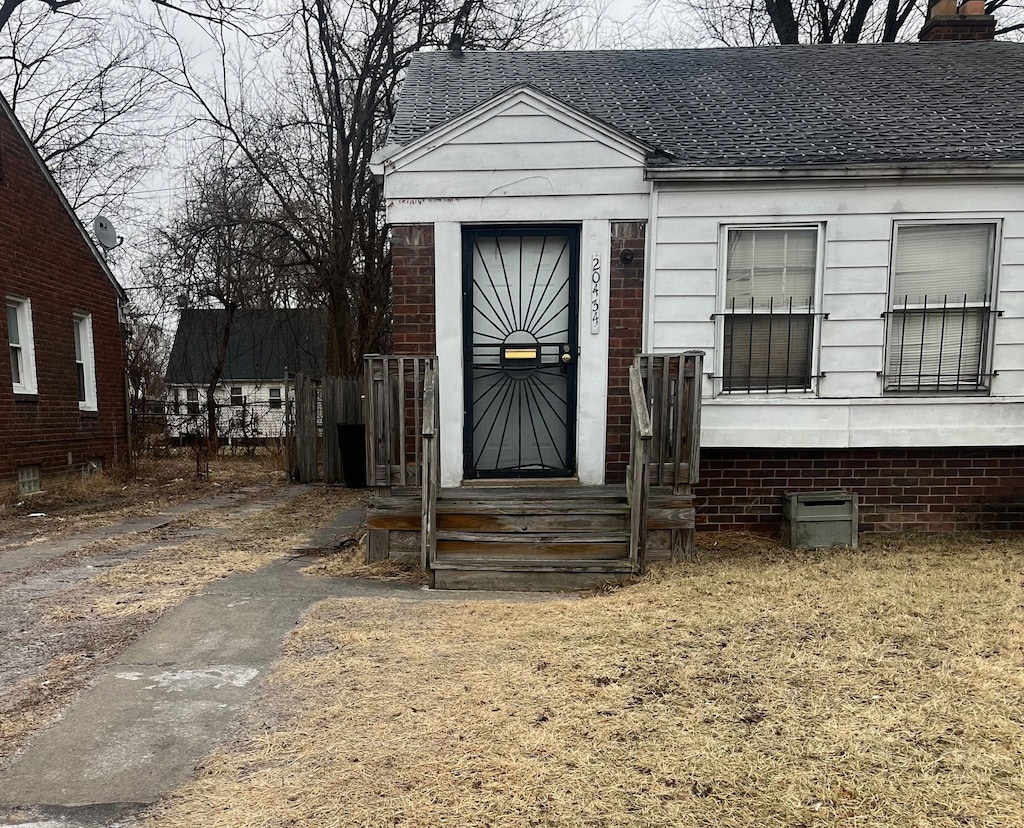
<point x="169" y="698"/>
<point x="177" y="692"/>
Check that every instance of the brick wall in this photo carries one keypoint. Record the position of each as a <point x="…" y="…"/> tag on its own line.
<point x="44" y="258"/>
<point x="625" y="339"/>
<point x="970" y="27"/>
<point x="412" y="275"/>
<point x="936" y="490"/>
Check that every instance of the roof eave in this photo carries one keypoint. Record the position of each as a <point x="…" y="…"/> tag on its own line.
<point x="780" y="172"/>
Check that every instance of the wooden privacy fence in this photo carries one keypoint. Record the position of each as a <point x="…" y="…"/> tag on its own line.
<point x="306" y="466"/>
<point x="320" y="407"/>
<point x="342" y="402"/>
<point x="394" y="419"/>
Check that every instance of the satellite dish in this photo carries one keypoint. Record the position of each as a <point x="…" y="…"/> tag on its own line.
<point x="105" y="233"/>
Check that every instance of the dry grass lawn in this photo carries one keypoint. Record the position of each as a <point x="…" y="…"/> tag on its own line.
<point x="757" y="687"/>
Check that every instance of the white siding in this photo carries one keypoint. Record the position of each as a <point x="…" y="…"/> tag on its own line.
<point x="522" y="161"/>
<point x="254" y="419"/>
<point x="846" y="407"/>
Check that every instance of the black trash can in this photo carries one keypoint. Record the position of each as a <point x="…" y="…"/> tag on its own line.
<point x="352" y="444"/>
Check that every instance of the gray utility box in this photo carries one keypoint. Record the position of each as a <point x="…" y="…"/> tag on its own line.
<point x="814" y="519"/>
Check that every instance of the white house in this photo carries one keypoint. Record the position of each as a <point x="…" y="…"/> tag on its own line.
<point x="839" y="228"/>
<point x="246" y="360"/>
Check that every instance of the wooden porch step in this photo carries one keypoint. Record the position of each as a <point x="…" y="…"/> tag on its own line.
<point x="472" y="562"/>
<point x="566" y="548"/>
<point x="549" y="579"/>
<point x="578" y="507"/>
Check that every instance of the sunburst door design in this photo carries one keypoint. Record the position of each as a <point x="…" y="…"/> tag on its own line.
<point x="520" y="334"/>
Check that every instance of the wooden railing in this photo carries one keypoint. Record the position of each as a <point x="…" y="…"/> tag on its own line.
<point x="394" y="419"/>
<point x="431" y="469"/>
<point x="672" y="384"/>
<point x="638" y="475"/>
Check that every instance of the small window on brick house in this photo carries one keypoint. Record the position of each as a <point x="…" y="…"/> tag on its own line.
<point x="236" y="395"/>
<point x="21" y="345"/>
<point x="274" y="395"/>
<point x="940" y="308"/>
<point x="768" y="318"/>
<point x="85" y="362"/>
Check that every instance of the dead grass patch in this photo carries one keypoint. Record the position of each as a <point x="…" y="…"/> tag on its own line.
<point x="879" y="687"/>
<point x="96" y="618"/>
<point x="164" y="577"/>
<point x="350" y="562"/>
<point x="78" y="503"/>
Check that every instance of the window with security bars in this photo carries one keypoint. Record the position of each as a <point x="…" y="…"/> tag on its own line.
<point x="940" y="308"/>
<point x="768" y="320"/>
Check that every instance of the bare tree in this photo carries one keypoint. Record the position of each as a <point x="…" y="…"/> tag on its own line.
<point x="310" y="131"/>
<point x="220" y="251"/>
<point x="148" y="348"/>
<point x="86" y="95"/>
<point x="222" y="12"/>
<point x="756" y="22"/>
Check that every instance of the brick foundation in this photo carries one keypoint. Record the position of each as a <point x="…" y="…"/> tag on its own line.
<point x="412" y="276"/>
<point x="625" y="339"/>
<point x="932" y="490"/>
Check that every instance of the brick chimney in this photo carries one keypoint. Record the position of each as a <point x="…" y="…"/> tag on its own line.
<point x="958" y="20"/>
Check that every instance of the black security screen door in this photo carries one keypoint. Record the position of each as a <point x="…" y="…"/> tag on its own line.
<point x="520" y="296"/>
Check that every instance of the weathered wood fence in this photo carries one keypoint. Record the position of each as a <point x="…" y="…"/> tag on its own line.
<point x="672" y="388"/>
<point x="394" y="419"/>
<point x="320" y="407"/>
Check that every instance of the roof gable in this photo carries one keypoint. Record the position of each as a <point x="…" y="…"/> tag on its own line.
<point x="893" y="103"/>
<point x="518" y="114"/>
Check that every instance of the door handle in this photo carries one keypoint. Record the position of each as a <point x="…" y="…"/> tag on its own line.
<point x="566" y="358"/>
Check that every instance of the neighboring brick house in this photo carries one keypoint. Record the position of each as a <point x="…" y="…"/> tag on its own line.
<point x="840" y="228"/>
<point x="261" y="348"/>
<point x="62" y="385"/>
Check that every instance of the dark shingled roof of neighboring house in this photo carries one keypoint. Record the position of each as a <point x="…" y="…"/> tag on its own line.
<point x="886" y="103"/>
<point x="261" y="345"/>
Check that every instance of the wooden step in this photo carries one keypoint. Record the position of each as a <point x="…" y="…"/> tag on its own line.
<point x="550" y="579"/>
<point x="564" y="548"/>
<point x="538" y="564"/>
<point x="531" y="523"/>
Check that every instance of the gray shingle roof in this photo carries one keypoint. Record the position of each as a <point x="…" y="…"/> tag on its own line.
<point x="261" y="344"/>
<point x="868" y="103"/>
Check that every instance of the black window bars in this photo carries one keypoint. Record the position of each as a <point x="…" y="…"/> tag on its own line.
<point x="939" y="346"/>
<point x="768" y="348"/>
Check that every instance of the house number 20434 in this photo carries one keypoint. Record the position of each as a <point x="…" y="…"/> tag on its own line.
<point x="595" y="295"/>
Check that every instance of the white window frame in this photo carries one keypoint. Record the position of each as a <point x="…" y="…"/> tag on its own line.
<point x="192" y="405"/>
<point x="814" y="311"/>
<point x="984" y="384"/>
<point x="22" y="308"/>
<point x="275" y="402"/>
<point x="85" y="356"/>
<point x="232" y="396"/>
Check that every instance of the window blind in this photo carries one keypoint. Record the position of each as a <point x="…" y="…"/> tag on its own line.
<point x="770" y="266"/>
<point x="948" y="260"/>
